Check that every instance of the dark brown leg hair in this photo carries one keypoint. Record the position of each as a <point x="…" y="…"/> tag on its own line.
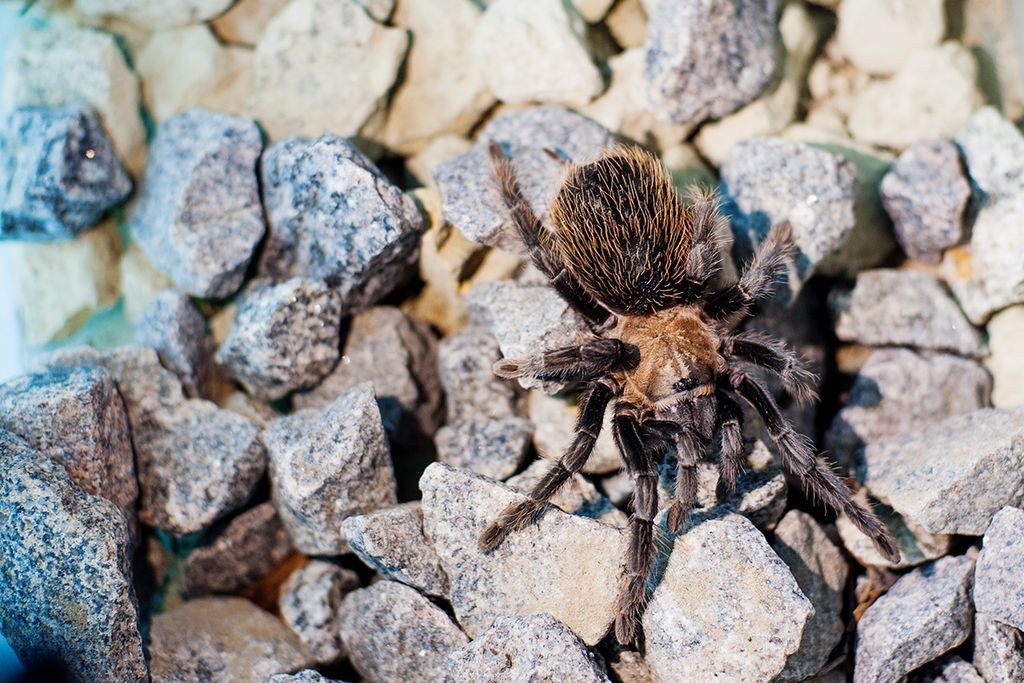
<point x="705" y="258"/>
<point x="772" y="355"/>
<point x="798" y="458"/>
<point x="538" y="240"/>
<point x="730" y="458"/>
<point x="588" y="426"/>
<point x="641" y="466"/>
<point x="689" y="451"/>
<point x="582" y="363"/>
<point x="758" y="277"/>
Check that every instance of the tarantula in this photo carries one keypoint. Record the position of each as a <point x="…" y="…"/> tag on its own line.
<point x="640" y="264"/>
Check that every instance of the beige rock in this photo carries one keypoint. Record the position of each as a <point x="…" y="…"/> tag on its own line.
<point x="140" y="282"/>
<point x="443" y="90"/>
<point x="554" y="420"/>
<point x="834" y="84"/>
<point x="989" y="28"/>
<point x="440" y="149"/>
<point x="59" y="285"/>
<point x="627" y="22"/>
<point x="593" y="11"/>
<point x="323" y="66"/>
<point x="533" y="51"/>
<point x="156" y="14"/>
<point x="1005" y="332"/>
<point x="879" y="36"/>
<point x="245" y="20"/>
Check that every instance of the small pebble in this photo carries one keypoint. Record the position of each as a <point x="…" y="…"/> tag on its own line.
<point x="176" y="330"/>
<point x="470" y="386"/>
<point x="879" y="36"/>
<point x="310" y="602"/>
<point x="993" y="151"/>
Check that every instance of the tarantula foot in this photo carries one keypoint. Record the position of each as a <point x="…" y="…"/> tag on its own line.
<point x="509" y="368"/>
<point x="886" y="545"/>
<point x="626" y="628"/>
<point x="513" y="518"/>
<point x="724" y="489"/>
<point x="492" y="536"/>
<point x="677" y="513"/>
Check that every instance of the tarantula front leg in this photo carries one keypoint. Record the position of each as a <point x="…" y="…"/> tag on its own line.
<point x="730" y="459"/>
<point x="584" y="362"/>
<point x="757" y="279"/>
<point x="771" y="355"/>
<point x="588" y="427"/>
<point x="798" y="459"/>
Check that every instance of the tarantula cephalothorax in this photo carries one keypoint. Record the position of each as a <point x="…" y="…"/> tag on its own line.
<point x="640" y="265"/>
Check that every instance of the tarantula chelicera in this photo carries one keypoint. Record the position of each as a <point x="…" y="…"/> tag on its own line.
<point x="641" y="265"/>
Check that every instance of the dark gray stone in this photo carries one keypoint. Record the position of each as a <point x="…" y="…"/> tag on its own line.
<point x="706" y="58"/>
<point x="925" y="194"/>
<point x="394" y="635"/>
<point x="59" y="173"/>
<point x="238" y="555"/>
<point x="493" y="447"/>
<point x="470" y="386"/>
<point x="309" y="604"/>
<point x="174" y="327"/>
<point x="999" y="576"/>
<point x="469" y="198"/>
<point x="925" y="613"/>
<point x="998" y="649"/>
<point x="333" y="216"/>
<point x="284" y="337"/>
<point x="329" y="464"/>
<point x="65" y="571"/>
<point x="198" y="217"/>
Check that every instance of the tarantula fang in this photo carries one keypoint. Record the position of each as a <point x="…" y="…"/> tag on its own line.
<point x="641" y="265"/>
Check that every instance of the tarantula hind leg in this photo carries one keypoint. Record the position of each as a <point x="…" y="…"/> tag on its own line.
<point x="757" y="279"/>
<point x="588" y="426"/>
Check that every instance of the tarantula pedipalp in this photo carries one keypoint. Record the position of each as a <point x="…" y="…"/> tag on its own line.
<point x="640" y="265"/>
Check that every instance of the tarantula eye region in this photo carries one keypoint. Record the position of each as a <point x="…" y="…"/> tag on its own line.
<point x="685" y="384"/>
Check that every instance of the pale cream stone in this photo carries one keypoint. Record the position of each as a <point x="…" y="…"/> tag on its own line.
<point x="879" y="36"/>
<point x="1006" y="362"/>
<point x="245" y="20"/>
<point x="156" y="14"/>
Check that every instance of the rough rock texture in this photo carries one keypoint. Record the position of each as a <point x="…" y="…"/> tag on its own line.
<point x="820" y="570"/>
<point x="393" y="634"/>
<point x="309" y="604"/>
<point x="726" y="606"/>
<point x="323" y="65"/>
<point x="925" y="194"/>
<point x="950" y="669"/>
<point x="981" y="470"/>
<point x="925" y="613"/>
<point x="493" y="447"/>
<point x="554" y="420"/>
<point x="239" y="554"/>
<point x="578" y="496"/>
<point x="993" y="149"/>
<point x="65" y="571"/>
<point x="176" y="330"/>
<point x="761" y="490"/>
<point x="1005" y="330"/>
<point x="535" y="51"/>
<point x="244" y="21"/>
<point x="998" y="649"/>
<point x="471" y="389"/>
<point x="76" y="416"/>
<point x="284" y="337"/>
<point x="880" y="36"/>
<point x="392" y="543"/>
<point x="547" y="567"/>
<point x="329" y="464"/>
<point x="153" y="14"/>
<point x="917" y="545"/>
<point x="225" y="639"/>
<point x="333" y="216"/>
<point x="905" y="308"/>
<point x="773" y="180"/>
<point x="999" y="576"/>
<point x="59" y="173"/>
<point x="198" y="217"/>
<point x="898" y="391"/>
<point x="470" y="201"/>
<point x="523" y="648"/>
<point x="706" y="59"/>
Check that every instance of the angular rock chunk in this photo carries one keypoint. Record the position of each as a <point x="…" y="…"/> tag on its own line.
<point x="329" y="464"/>
<point x="917" y="545"/>
<point x="998" y="649"/>
<point x="393" y="634"/>
<point x="993" y="149"/>
<point x="470" y="386"/>
<point x="1005" y="330"/>
<point x="309" y="604"/>
<point x="566" y="565"/>
<point x="493" y="447"/>
<point x="999" y="576"/>
<point x="176" y="330"/>
<point x="198" y="217"/>
<point x="925" y="613"/>
<point x="878" y="36"/>
<point x="59" y="173"/>
<point x="578" y="496"/>
<point x="65" y="571"/>
<point x="304" y="676"/>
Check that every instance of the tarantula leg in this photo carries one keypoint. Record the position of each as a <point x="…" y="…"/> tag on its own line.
<point x="633" y="588"/>
<point x="771" y="355"/>
<point x="757" y="280"/>
<point x="538" y="240"/>
<point x="588" y="427"/>
<point x="730" y="459"/>
<point x="690" y="450"/>
<point x="584" y="362"/>
<point x="705" y="258"/>
<point x="798" y="458"/>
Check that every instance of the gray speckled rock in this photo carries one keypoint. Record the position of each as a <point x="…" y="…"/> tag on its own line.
<point x="993" y="149"/>
<point x="905" y="308"/>
<point x="493" y="447"/>
<point x="59" y="173"/>
<point x="239" y="555"/>
<point x="999" y="576"/>
<point x="917" y="545"/>
<point x="820" y="570"/>
<point x="304" y="676"/>
<point x="998" y="649"/>
<point x="284" y="337"/>
<point x="954" y="477"/>
<point x="535" y="647"/>
<point x="174" y="327"/>
<point x="566" y="565"/>
<point x="925" y="194"/>
<point x="406" y="385"/>
<point x="392" y="543"/>
<point x="471" y="389"/>
<point x="76" y="416"/>
<point x="309" y="604"/>
<point x="221" y="639"/>
<point x="726" y="606"/>
<point x="328" y="464"/>
<point x="925" y="613"/>
<point x="773" y="180"/>
<point x="761" y="490"/>
<point x="469" y="198"/>
<point x="333" y="216"/>
<point x="394" y="634"/>
<point x="554" y="422"/>
<point x="65" y="571"/>
<point x="577" y="497"/>
<point x="898" y="391"/>
<point x="705" y="59"/>
<point x="951" y="669"/>
<point x="198" y="217"/>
